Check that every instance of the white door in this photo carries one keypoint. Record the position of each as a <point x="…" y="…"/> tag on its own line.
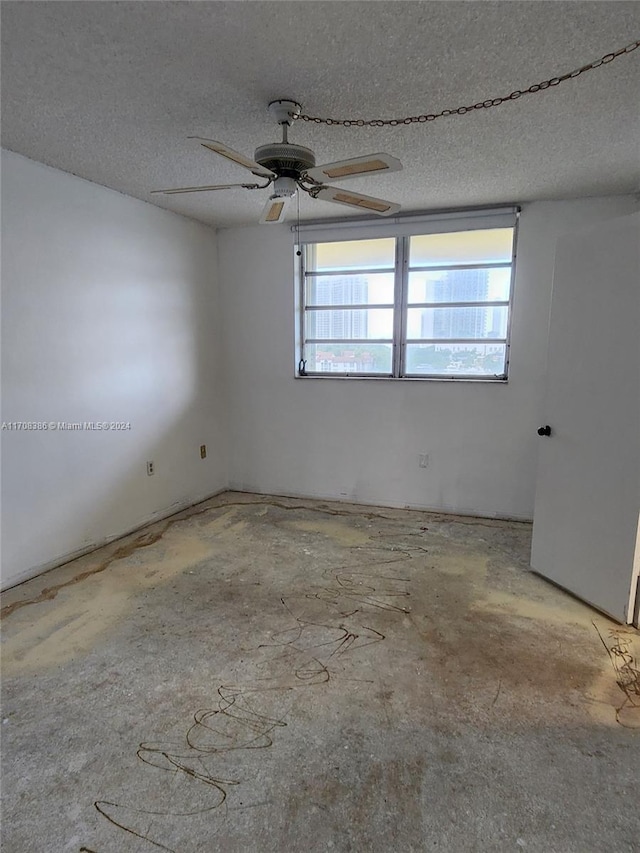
<point x="588" y="491"/>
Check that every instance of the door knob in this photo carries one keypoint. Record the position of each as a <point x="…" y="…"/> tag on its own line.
<point x="545" y="430"/>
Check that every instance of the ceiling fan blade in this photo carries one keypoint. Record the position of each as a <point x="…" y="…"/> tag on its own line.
<point x="351" y="199"/>
<point x="235" y="156"/>
<point x="274" y="211"/>
<point x="369" y="164"/>
<point x="206" y="189"/>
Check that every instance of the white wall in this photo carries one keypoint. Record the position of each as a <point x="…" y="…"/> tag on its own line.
<point x="359" y="439"/>
<point x="109" y="313"/>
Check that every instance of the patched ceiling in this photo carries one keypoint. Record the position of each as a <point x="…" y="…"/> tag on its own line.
<point x="111" y="91"/>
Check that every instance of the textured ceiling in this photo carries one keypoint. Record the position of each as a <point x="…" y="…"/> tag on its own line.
<point x="110" y="91"/>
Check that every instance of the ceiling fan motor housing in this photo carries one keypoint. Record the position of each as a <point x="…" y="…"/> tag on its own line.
<point x="285" y="159"/>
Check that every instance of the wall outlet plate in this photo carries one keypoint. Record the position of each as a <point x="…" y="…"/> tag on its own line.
<point x="203" y="451"/>
<point x="150" y="469"/>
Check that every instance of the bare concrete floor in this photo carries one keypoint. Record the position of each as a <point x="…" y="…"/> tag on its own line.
<point x="268" y="674"/>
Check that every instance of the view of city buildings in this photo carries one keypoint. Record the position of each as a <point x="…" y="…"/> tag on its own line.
<point x="466" y="322"/>
<point x="339" y="290"/>
<point x="446" y="324"/>
<point x="337" y="324"/>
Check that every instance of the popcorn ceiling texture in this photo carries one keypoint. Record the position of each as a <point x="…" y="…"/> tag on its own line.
<point x="110" y="92"/>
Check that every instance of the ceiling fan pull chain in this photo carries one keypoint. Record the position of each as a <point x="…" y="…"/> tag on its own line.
<point x="489" y="102"/>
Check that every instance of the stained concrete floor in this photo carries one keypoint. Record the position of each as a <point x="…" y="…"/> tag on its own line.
<point x="268" y="674"/>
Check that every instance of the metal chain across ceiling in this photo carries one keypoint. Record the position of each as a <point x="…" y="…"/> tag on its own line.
<point x="480" y="105"/>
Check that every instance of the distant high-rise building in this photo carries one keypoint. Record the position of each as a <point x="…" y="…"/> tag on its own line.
<point x="339" y="290"/>
<point x="498" y="324"/>
<point x="464" y="322"/>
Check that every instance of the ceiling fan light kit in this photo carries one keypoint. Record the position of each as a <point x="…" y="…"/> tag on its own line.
<point x="287" y="168"/>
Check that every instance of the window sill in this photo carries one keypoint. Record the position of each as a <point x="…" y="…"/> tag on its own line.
<point x="484" y="380"/>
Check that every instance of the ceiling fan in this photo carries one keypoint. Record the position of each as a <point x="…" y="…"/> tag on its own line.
<point x="287" y="167"/>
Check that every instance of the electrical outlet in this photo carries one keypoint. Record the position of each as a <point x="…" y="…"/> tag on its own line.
<point x="423" y="460"/>
<point x="203" y="451"/>
<point x="150" y="469"/>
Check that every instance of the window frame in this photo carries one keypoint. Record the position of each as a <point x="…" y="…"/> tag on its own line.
<point x="402" y="229"/>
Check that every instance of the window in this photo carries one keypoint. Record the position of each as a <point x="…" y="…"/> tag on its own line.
<point x="433" y="305"/>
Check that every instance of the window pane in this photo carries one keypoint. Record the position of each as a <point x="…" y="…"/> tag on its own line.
<point x="369" y="289"/>
<point x="348" y="358"/>
<point x="339" y="323"/>
<point x="492" y="285"/>
<point x="456" y="359"/>
<point x="461" y="247"/>
<point x="463" y="322"/>
<point x="352" y="254"/>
